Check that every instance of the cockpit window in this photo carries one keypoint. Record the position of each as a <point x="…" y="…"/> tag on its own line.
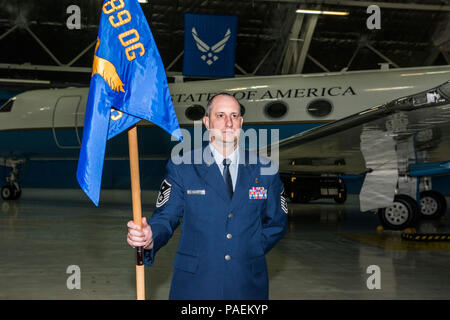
<point x="7" y="106"/>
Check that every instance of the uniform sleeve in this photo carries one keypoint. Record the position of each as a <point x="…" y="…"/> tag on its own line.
<point x="274" y="220"/>
<point x="169" y="211"/>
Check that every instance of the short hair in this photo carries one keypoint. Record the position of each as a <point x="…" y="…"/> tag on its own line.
<point x="210" y="101"/>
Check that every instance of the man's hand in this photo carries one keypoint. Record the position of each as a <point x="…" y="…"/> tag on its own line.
<point x="140" y="238"/>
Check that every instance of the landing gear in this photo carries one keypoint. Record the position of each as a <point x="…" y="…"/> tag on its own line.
<point x="303" y="197"/>
<point x="403" y="213"/>
<point x="341" y="197"/>
<point x="432" y="205"/>
<point x="305" y="188"/>
<point x="12" y="191"/>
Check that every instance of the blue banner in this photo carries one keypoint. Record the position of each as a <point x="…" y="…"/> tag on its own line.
<point x="128" y="84"/>
<point x="209" y="45"/>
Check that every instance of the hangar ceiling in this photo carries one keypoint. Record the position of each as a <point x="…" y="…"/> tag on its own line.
<point x="272" y="38"/>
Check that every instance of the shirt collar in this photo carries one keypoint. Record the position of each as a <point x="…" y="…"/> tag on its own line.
<point x="218" y="157"/>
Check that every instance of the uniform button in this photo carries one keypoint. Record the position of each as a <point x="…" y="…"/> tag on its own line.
<point x="227" y="257"/>
<point x="229" y="236"/>
<point x="230" y="215"/>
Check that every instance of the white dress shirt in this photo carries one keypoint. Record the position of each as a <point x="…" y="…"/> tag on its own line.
<point x="234" y="165"/>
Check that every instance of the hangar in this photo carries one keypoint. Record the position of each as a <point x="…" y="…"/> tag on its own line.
<point x="352" y="97"/>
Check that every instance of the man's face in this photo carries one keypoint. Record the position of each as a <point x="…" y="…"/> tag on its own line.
<point x="224" y="121"/>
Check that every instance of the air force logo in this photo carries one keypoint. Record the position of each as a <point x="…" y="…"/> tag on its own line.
<point x="210" y="53"/>
<point x="209" y="45"/>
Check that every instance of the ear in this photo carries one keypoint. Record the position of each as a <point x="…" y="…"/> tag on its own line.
<point x="206" y="122"/>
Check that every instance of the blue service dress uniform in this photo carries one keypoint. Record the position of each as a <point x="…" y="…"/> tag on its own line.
<point x="223" y="242"/>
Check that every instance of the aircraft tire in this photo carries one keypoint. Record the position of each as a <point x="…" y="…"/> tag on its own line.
<point x="432" y="205"/>
<point x="17" y="194"/>
<point x="8" y="192"/>
<point x="403" y="213"/>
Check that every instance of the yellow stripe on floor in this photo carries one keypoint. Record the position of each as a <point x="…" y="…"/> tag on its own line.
<point x="393" y="241"/>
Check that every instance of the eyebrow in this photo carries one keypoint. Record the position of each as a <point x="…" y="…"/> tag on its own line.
<point x="218" y="112"/>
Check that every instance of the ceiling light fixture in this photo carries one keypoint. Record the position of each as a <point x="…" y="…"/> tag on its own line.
<point x="336" y="13"/>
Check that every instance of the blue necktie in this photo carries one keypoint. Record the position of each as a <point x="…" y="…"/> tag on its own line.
<point x="227" y="176"/>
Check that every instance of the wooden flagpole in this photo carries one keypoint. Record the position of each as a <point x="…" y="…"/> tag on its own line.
<point x="137" y="210"/>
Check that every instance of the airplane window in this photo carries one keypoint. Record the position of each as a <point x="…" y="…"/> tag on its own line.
<point x="276" y="109"/>
<point x="7" y="106"/>
<point x="195" y="112"/>
<point x="320" y="108"/>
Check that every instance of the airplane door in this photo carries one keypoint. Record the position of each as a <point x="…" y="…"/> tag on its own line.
<point x="66" y="122"/>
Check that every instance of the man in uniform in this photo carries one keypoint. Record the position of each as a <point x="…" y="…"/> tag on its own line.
<point x="232" y="215"/>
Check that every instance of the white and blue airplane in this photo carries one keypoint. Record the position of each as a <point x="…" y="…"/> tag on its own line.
<point x="336" y="130"/>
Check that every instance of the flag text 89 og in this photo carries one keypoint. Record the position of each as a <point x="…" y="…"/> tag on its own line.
<point x="122" y="18"/>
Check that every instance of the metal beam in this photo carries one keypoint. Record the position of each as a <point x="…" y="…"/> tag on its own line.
<point x="381" y="55"/>
<point x="240" y="69"/>
<point x="81" y="53"/>
<point x="290" y="46"/>
<point x="365" y="4"/>
<point x="43" y="46"/>
<point x="353" y="57"/>
<point x="263" y="59"/>
<point x="317" y="63"/>
<point x="446" y="56"/>
<point x="175" y="60"/>
<point x="8" y="32"/>
<point x="432" y="56"/>
<point x="32" y="67"/>
<point x="310" y="27"/>
<point x="5" y="80"/>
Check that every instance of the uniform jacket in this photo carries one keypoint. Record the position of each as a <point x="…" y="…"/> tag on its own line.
<point x="223" y="242"/>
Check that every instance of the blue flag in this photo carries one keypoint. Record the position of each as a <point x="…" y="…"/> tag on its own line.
<point x="209" y="45"/>
<point x="128" y="84"/>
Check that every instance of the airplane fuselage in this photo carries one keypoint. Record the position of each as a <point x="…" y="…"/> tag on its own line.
<point x="47" y="124"/>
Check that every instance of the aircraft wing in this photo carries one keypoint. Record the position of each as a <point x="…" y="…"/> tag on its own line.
<point x="337" y="147"/>
<point x="388" y="144"/>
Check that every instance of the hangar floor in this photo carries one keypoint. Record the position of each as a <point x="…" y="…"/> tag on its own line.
<point x="325" y="254"/>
